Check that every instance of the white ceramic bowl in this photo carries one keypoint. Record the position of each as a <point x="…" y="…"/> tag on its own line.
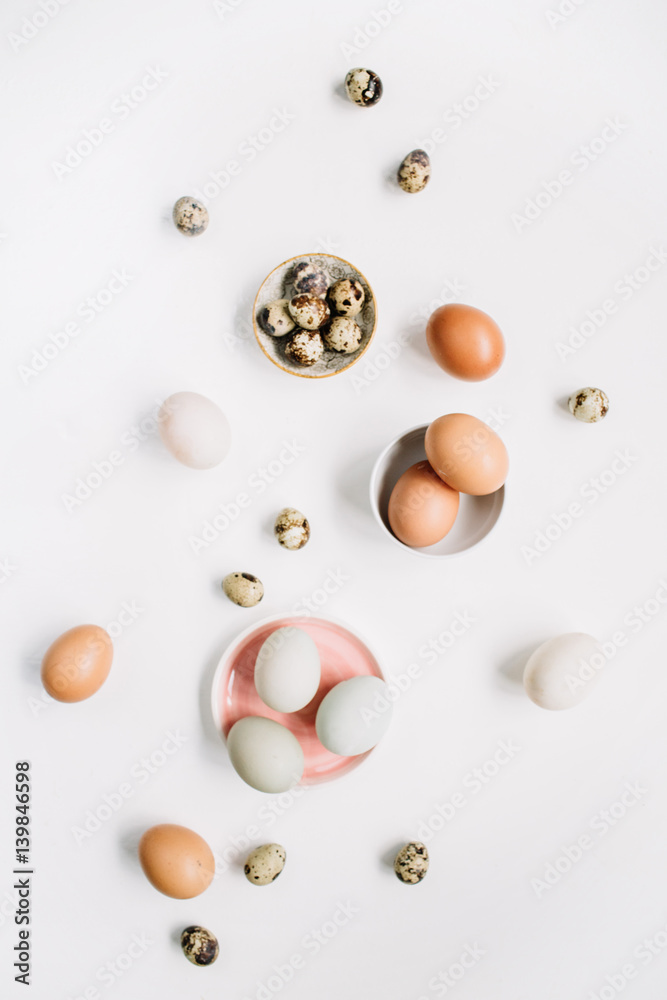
<point x="476" y="516"/>
<point x="278" y="285"/>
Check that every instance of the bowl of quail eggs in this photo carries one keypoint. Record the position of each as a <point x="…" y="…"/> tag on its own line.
<point x="314" y="315"/>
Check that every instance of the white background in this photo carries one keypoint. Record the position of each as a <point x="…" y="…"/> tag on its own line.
<point x="183" y="323"/>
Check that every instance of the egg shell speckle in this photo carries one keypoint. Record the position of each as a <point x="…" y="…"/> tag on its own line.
<point x="305" y="347"/>
<point x="342" y="335"/>
<point x="190" y="216"/>
<point x="414" y="172"/>
<point x="243" y="589"/>
<point x="411" y="863"/>
<point x="199" y="945"/>
<point x="347" y="297"/>
<point x="363" y="86"/>
<point x="309" y="311"/>
<point x="275" y="318"/>
<point x="264" y="864"/>
<point x="589" y="405"/>
<point x="309" y="279"/>
<point x="292" y="528"/>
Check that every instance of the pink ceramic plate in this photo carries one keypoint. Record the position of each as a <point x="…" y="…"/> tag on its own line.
<point x="342" y="654"/>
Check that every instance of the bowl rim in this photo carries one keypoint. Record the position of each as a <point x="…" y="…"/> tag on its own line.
<point x="375" y="506"/>
<point x="292" y="371"/>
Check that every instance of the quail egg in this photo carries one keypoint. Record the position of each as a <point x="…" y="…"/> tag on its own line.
<point x="347" y="297"/>
<point x="199" y="946"/>
<point x="275" y="318"/>
<point x="243" y="589"/>
<point x="264" y="864"/>
<point x="190" y="216"/>
<point x="308" y="311"/>
<point x="304" y="347"/>
<point x="415" y="171"/>
<point x="342" y="335"/>
<point x="292" y="528"/>
<point x="411" y="863"/>
<point x="589" y="405"/>
<point x="364" y="87"/>
<point x="309" y="279"/>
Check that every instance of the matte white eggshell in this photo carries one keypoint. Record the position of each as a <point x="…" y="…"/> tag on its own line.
<point x="194" y="430"/>
<point x="265" y="754"/>
<point x="287" y="670"/>
<point x="563" y="670"/>
<point x="354" y="716"/>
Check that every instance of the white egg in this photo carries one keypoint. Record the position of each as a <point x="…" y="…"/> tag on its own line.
<point x="562" y="671"/>
<point x="194" y="430"/>
<point x="287" y="670"/>
<point x="354" y="716"/>
<point x="265" y="754"/>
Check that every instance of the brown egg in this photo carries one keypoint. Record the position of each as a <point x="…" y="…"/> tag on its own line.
<point x="466" y="342"/>
<point x="422" y="508"/>
<point x="466" y="454"/>
<point x="176" y="860"/>
<point x="77" y="664"/>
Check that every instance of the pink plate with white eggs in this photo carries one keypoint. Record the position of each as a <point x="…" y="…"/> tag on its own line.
<point x="342" y="655"/>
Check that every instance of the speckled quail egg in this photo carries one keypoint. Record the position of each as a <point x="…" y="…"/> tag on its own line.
<point x="275" y="318"/>
<point x="190" y="216"/>
<point x="292" y="528"/>
<point x="199" y="946"/>
<point x="309" y="279"/>
<point x="264" y="864"/>
<point x="364" y="87"/>
<point x="415" y="171"/>
<point x="589" y="405"/>
<point x="308" y="311"/>
<point x="411" y="863"/>
<point x="342" y="335"/>
<point x="347" y="297"/>
<point x="305" y="347"/>
<point x="243" y="589"/>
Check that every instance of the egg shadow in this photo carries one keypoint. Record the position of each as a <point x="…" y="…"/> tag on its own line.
<point x="214" y="743"/>
<point x="340" y="92"/>
<point x="129" y="845"/>
<point x="563" y="405"/>
<point x="387" y="859"/>
<point x="354" y="485"/>
<point x="510" y="671"/>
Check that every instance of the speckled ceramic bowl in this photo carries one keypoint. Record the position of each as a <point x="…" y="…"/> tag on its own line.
<point x="278" y="285"/>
